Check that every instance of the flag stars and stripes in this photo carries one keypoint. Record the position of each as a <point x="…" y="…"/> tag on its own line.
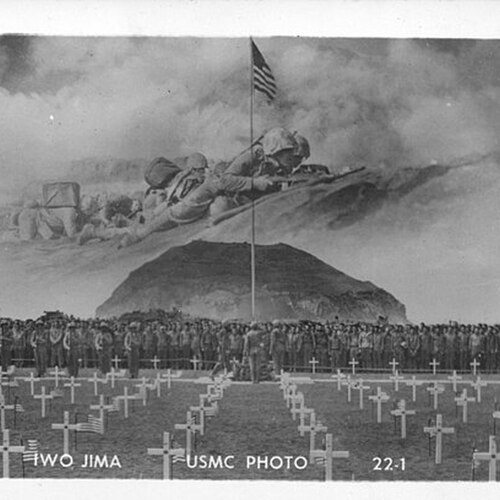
<point x="263" y="78"/>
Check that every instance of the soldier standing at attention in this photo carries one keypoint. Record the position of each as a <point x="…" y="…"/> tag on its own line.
<point x="277" y="347"/>
<point x="71" y="343"/>
<point x="251" y="349"/>
<point x="19" y="342"/>
<point x="39" y="341"/>
<point x="6" y="342"/>
<point x="132" y="344"/>
<point x="104" y="344"/>
<point x="56" y="348"/>
<point x="334" y="348"/>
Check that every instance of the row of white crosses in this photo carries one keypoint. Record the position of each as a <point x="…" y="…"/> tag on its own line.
<point x="295" y="402"/>
<point x="214" y="393"/>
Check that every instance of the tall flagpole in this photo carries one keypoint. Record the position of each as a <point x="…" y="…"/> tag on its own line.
<point x="252" y="242"/>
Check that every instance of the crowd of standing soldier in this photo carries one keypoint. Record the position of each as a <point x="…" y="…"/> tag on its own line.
<point x="292" y="346"/>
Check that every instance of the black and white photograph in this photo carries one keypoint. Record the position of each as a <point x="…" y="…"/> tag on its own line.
<point x="249" y="257"/>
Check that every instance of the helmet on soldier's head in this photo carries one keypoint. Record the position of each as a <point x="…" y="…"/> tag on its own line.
<point x="196" y="161"/>
<point x="278" y="139"/>
<point x="253" y="324"/>
<point x="303" y="149"/>
<point x="276" y="322"/>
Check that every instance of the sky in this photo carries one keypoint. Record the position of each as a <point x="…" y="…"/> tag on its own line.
<point x="359" y="101"/>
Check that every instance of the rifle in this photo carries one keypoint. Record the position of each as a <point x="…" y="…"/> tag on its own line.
<point x="301" y="178"/>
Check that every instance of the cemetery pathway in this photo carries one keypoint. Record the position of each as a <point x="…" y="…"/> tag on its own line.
<point x="254" y="421"/>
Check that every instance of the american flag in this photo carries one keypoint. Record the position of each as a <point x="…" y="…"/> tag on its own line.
<point x="18" y="408"/>
<point x="93" y="424"/>
<point x="177" y="453"/>
<point x="263" y="78"/>
<point x="31" y="451"/>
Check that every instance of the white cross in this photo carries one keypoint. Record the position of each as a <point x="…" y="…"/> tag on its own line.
<point x="201" y="411"/>
<point x="4" y="406"/>
<point x="43" y="397"/>
<point x="291" y="392"/>
<point x="436" y="390"/>
<point x="339" y="377"/>
<point x="302" y="417"/>
<point x="353" y="363"/>
<point x="143" y="391"/>
<point x="315" y="427"/>
<point x="350" y="384"/>
<point x="169" y="376"/>
<point x="6" y="449"/>
<point x="360" y="387"/>
<point x="477" y="386"/>
<point x="394" y="363"/>
<point x="66" y="427"/>
<point x="454" y="379"/>
<point x="71" y="384"/>
<point x="463" y="400"/>
<point x="56" y="375"/>
<point x="396" y="378"/>
<point x="167" y="453"/>
<point x="307" y="428"/>
<point x="101" y="407"/>
<point x="188" y="427"/>
<point x="111" y="375"/>
<point x="402" y="412"/>
<point x="195" y="362"/>
<point x="32" y="381"/>
<point x="313" y="362"/>
<point x="95" y="381"/>
<point x="297" y="403"/>
<point x="157" y="384"/>
<point x="496" y="415"/>
<point x="475" y="365"/>
<point x="414" y="383"/>
<point x="155" y="362"/>
<point x="211" y="410"/>
<point x="434" y="365"/>
<point x="328" y="455"/>
<point x="125" y="398"/>
<point x="116" y="362"/>
<point x="379" y="398"/>
<point x="492" y="456"/>
<point x="438" y="430"/>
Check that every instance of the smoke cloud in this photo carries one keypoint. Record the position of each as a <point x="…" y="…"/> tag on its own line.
<point x="360" y="102"/>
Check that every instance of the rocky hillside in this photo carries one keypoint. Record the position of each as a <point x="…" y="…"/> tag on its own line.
<point x="213" y="280"/>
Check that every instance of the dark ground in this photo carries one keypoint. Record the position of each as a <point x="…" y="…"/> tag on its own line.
<point x="254" y="420"/>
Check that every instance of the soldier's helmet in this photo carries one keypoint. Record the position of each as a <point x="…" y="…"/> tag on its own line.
<point x="276" y="322"/>
<point x="253" y="324"/>
<point x="303" y="149"/>
<point x="278" y="139"/>
<point x="196" y="161"/>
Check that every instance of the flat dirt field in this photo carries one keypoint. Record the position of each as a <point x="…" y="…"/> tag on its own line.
<point x="253" y="420"/>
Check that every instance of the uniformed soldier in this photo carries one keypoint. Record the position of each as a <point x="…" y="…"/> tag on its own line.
<point x="277" y="347"/>
<point x="103" y="342"/>
<point x="6" y="342"/>
<point x="19" y="343"/>
<point x="71" y="344"/>
<point x="334" y="345"/>
<point x="365" y="346"/>
<point x="308" y="346"/>
<point x="413" y="350"/>
<point x="39" y="341"/>
<point x="56" y="348"/>
<point x="321" y="350"/>
<point x="252" y="349"/>
<point x="132" y="345"/>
